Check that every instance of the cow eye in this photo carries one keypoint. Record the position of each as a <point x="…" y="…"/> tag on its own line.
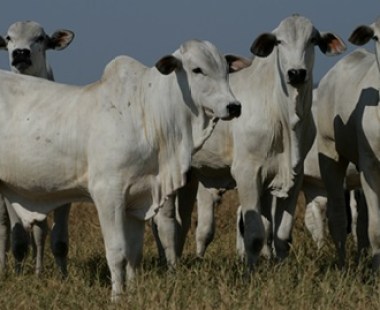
<point x="198" y="71"/>
<point x="8" y="38"/>
<point x="376" y="38"/>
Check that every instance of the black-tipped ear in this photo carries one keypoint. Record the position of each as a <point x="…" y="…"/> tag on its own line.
<point x="60" y="39"/>
<point x="168" y="64"/>
<point x="3" y="44"/>
<point x="331" y="44"/>
<point x="264" y="45"/>
<point x="236" y="63"/>
<point x="361" y="35"/>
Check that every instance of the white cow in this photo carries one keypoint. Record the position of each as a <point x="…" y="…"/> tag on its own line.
<point x="315" y="211"/>
<point x="26" y="43"/>
<point x="349" y="131"/>
<point x="124" y="142"/>
<point x="264" y="150"/>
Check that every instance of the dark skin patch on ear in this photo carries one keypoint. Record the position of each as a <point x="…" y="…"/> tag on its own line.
<point x="3" y="43"/>
<point x="264" y="45"/>
<point x="167" y="64"/>
<point x="330" y="44"/>
<point x="361" y="35"/>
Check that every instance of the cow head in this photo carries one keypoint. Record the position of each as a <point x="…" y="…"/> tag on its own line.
<point x="26" y="43"/>
<point x="294" y="40"/>
<point x="362" y="34"/>
<point x="203" y="77"/>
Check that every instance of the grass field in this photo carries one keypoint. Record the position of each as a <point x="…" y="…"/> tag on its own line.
<point x="306" y="280"/>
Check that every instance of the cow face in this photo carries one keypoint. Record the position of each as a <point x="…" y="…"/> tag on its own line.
<point x="27" y="42"/>
<point x="294" y="40"/>
<point x="203" y="77"/>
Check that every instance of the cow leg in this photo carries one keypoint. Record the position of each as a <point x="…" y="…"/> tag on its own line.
<point x="249" y="189"/>
<point x="186" y="198"/>
<point x="370" y="182"/>
<point x="315" y="211"/>
<point x="19" y="238"/>
<point x="134" y="232"/>
<point x="315" y="219"/>
<point x="4" y="234"/>
<point x="112" y="217"/>
<point x="266" y="251"/>
<point x="60" y="237"/>
<point x="284" y="219"/>
<point x="165" y="222"/>
<point x="240" y="250"/>
<point x="333" y="174"/>
<point x="206" y="220"/>
<point x="160" y="247"/>
<point x="362" y="224"/>
<point x="39" y="231"/>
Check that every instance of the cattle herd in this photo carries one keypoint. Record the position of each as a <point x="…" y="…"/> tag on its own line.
<point x="147" y="143"/>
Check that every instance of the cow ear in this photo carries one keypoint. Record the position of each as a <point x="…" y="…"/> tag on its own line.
<point x="361" y="35"/>
<point x="3" y="43"/>
<point x="168" y="64"/>
<point x="60" y="39"/>
<point x="264" y="44"/>
<point x="330" y="44"/>
<point x="236" y="63"/>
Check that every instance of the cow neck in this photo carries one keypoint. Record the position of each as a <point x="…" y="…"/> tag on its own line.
<point x="42" y="70"/>
<point x="178" y="130"/>
<point x="289" y="103"/>
<point x="202" y="125"/>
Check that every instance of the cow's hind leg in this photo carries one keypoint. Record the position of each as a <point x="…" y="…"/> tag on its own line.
<point x="4" y="234"/>
<point x="134" y="232"/>
<point x="39" y="231"/>
<point x="60" y="237"/>
<point x="333" y="174"/>
<point x="370" y="181"/>
<point x="165" y="234"/>
<point x="19" y="238"/>
<point x="206" y="219"/>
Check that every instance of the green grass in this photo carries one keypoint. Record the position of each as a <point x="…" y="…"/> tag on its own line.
<point x="306" y="280"/>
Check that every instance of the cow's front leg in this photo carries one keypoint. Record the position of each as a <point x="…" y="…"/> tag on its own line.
<point x="4" y="234"/>
<point x="165" y="224"/>
<point x="249" y="189"/>
<point x="110" y="204"/>
<point x="206" y="201"/>
<point x="284" y="219"/>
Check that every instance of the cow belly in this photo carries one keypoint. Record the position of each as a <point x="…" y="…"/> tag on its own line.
<point x="42" y="201"/>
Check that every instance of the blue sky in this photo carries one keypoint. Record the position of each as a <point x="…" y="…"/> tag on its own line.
<point x="147" y="30"/>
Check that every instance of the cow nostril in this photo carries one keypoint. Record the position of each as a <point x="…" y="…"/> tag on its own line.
<point x="234" y="109"/>
<point x="297" y="76"/>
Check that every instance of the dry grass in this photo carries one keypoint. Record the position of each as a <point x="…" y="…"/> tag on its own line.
<point x="307" y="280"/>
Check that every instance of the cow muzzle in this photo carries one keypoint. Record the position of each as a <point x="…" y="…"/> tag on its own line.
<point x="297" y="77"/>
<point x="21" y="58"/>
<point x="234" y="109"/>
